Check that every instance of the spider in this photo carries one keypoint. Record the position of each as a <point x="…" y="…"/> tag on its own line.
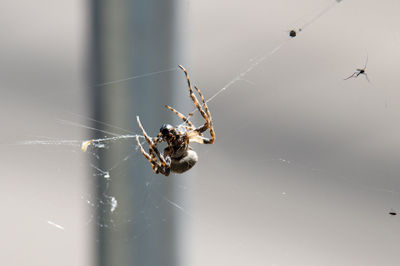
<point x="360" y="71"/>
<point x="178" y="156"/>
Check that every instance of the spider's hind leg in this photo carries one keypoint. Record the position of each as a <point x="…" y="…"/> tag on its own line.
<point x="205" y="114"/>
<point x="192" y="95"/>
<point x="208" y="124"/>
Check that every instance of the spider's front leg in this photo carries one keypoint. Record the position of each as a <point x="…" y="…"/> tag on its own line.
<point x="162" y="166"/>
<point x="151" y="158"/>
<point x="208" y="124"/>
<point x="166" y="169"/>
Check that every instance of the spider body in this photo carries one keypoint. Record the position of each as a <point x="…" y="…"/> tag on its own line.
<point x="182" y="156"/>
<point x="178" y="156"/>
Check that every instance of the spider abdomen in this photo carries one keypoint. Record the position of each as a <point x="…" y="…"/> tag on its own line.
<point x="184" y="163"/>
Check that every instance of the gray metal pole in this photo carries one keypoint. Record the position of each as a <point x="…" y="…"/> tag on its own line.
<point x="133" y="37"/>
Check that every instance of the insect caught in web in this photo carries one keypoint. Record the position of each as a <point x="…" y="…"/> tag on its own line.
<point x="360" y="71"/>
<point x="178" y="156"/>
<point x="293" y="33"/>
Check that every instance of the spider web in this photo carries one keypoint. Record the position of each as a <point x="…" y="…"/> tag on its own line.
<point x="91" y="146"/>
<point x="99" y="143"/>
<point x="109" y="202"/>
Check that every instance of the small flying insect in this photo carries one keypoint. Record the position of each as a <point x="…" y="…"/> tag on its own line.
<point x="178" y="156"/>
<point x="360" y="71"/>
<point x="293" y="33"/>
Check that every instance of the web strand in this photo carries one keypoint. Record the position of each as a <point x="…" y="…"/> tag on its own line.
<point x="262" y="58"/>
<point x="135" y="77"/>
<point x="320" y="14"/>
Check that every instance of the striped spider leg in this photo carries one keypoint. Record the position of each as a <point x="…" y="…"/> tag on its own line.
<point x="163" y="166"/>
<point x="205" y="114"/>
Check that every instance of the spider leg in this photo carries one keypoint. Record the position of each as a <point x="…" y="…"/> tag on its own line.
<point x="151" y="158"/>
<point x="206" y="116"/>
<point x="149" y="140"/>
<point x="193" y="96"/>
<point x="184" y="118"/>
<point x="204" y="103"/>
<point x="208" y="124"/>
<point x="163" y="166"/>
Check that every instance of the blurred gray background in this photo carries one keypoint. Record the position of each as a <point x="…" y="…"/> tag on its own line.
<point x="304" y="170"/>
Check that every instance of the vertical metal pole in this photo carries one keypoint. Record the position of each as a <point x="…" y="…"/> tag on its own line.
<point x="132" y="37"/>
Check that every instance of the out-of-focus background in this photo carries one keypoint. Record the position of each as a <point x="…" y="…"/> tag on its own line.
<point x="304" y="170"/>
<point x="42" y="83"/>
